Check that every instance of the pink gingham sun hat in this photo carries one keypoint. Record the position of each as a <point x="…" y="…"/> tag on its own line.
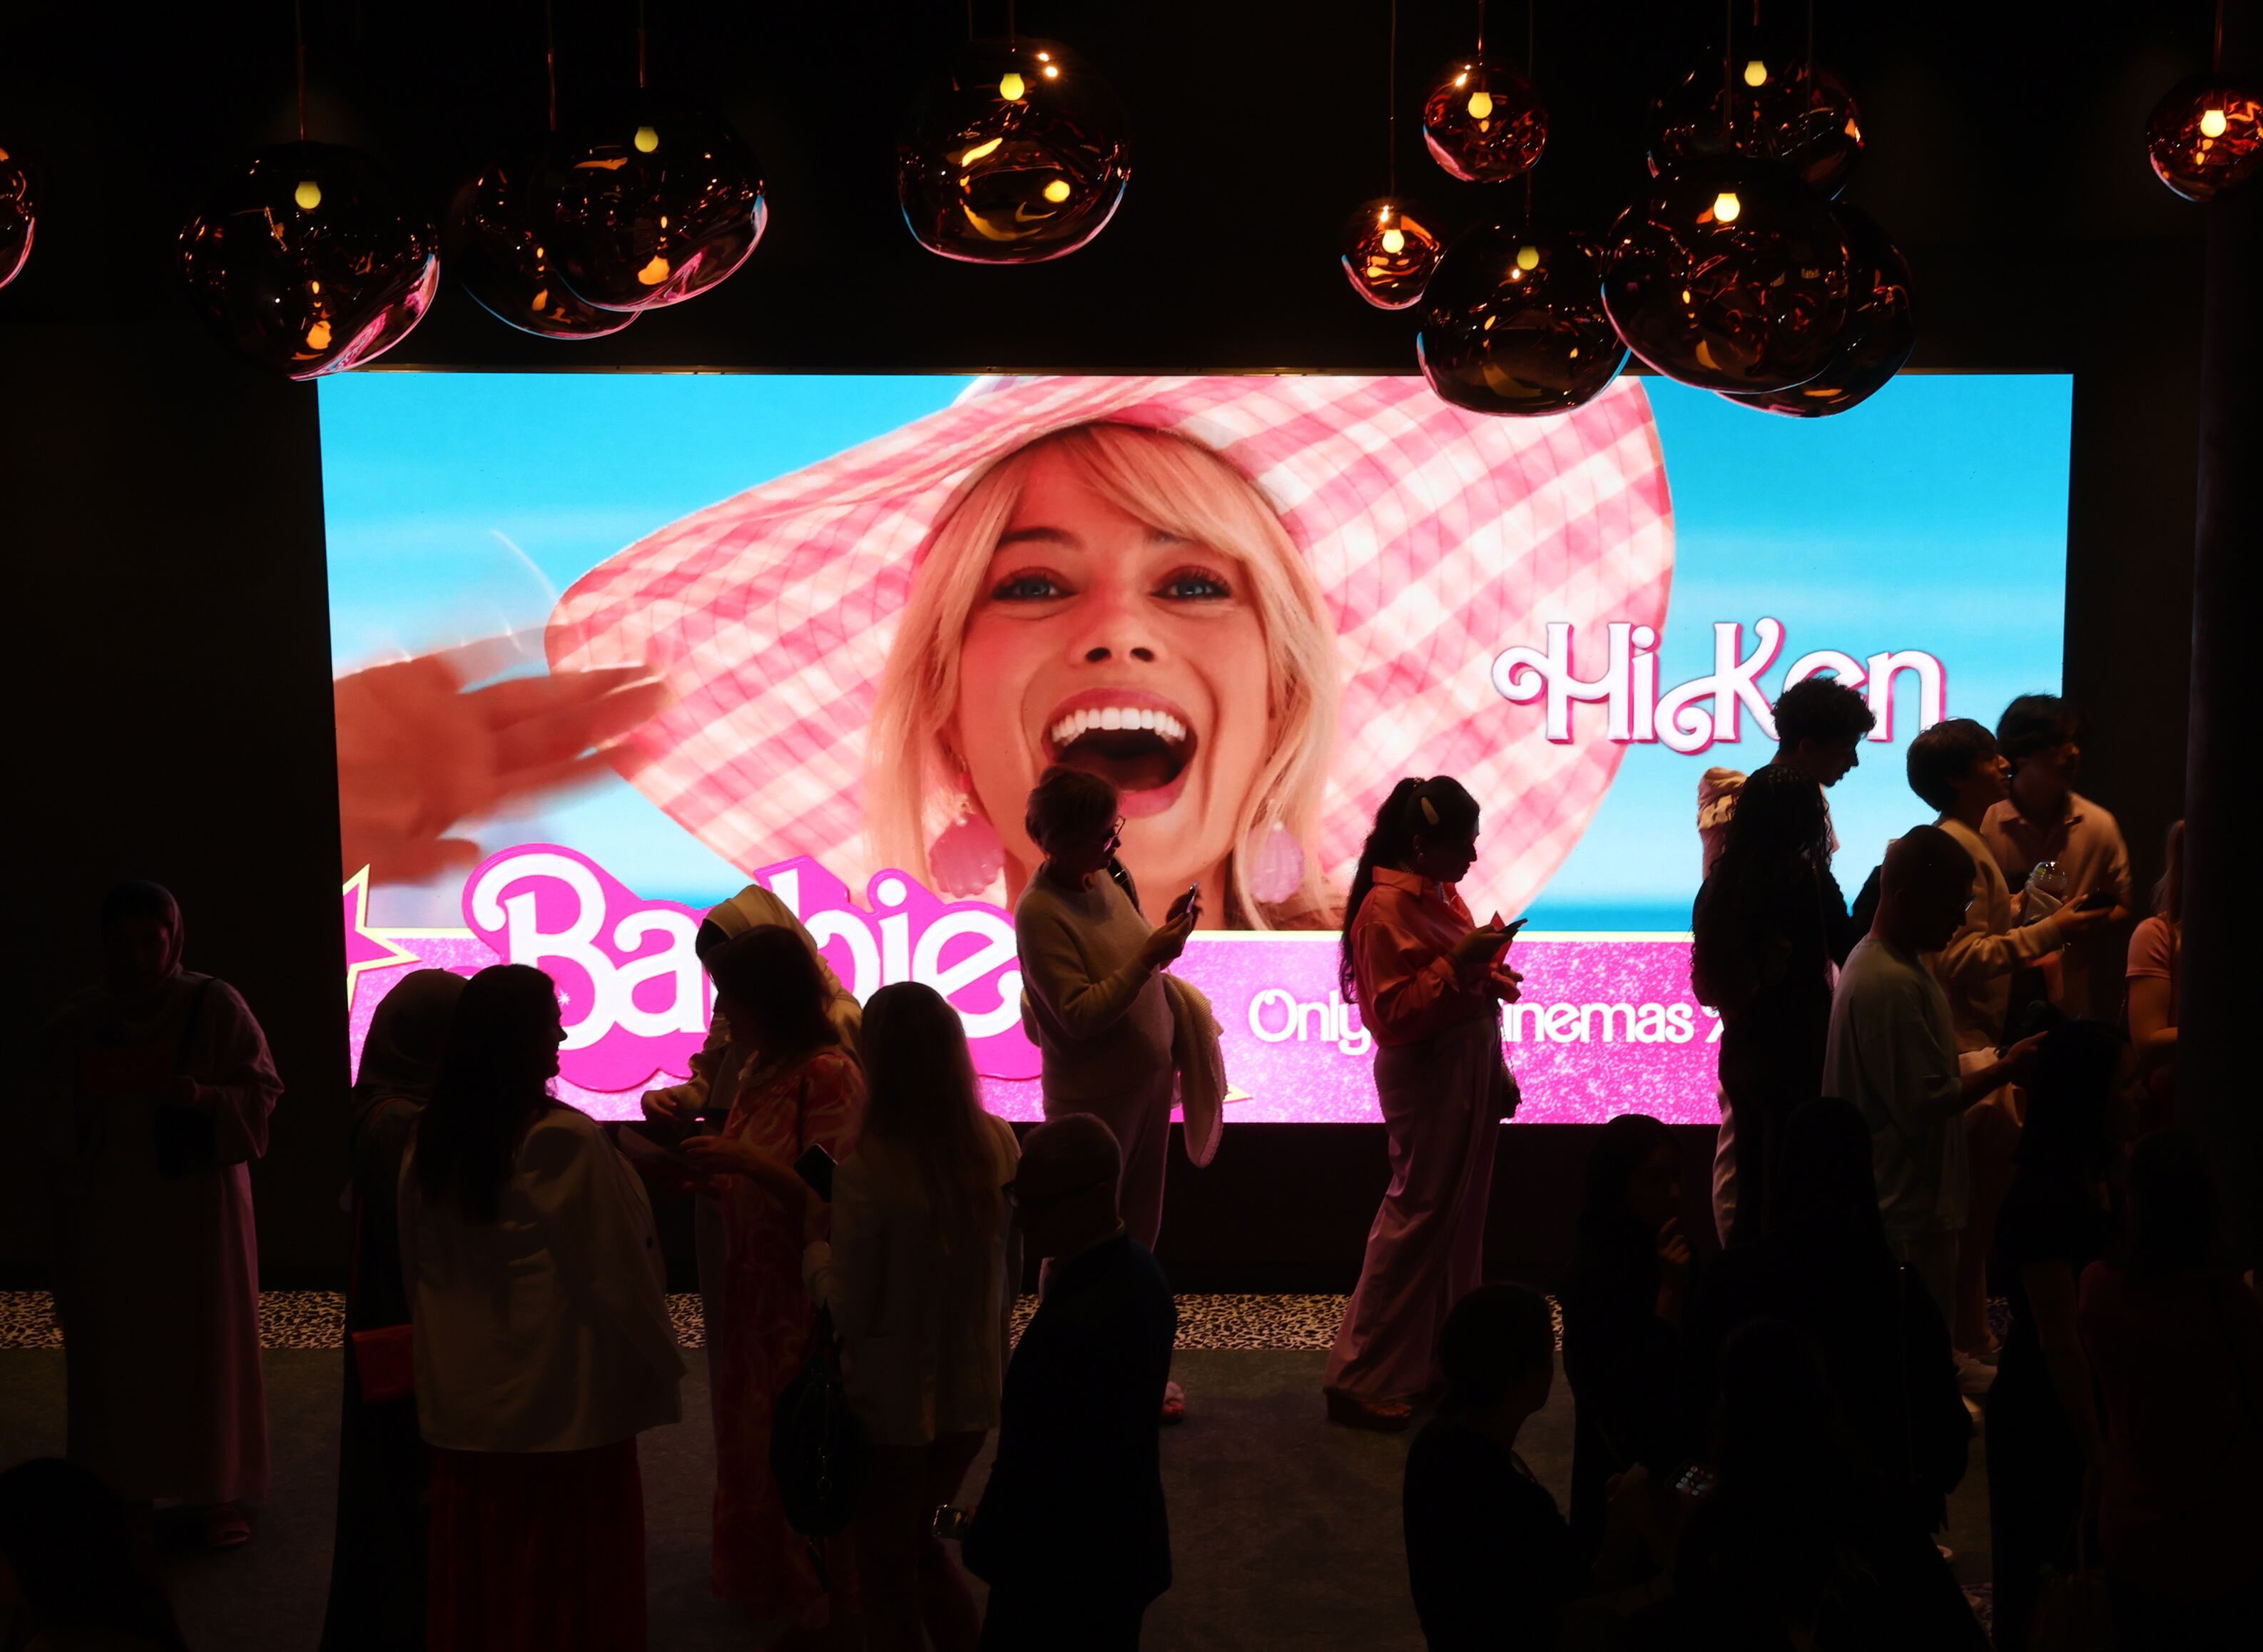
<point x="1438" y="537"/>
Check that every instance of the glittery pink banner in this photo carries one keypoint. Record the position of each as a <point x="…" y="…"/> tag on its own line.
<point x="1606" y="1025"/>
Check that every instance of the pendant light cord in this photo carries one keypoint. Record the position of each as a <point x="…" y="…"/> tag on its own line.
<point x="1391" y="106"/>
<point x="550" y="56"/>
<point x="299" y="44"/>
<point x="1481" y="6"/>
<point x="1532" y="51"/>
<point x="1728" y="82"/>
<point x="640" y="46"/>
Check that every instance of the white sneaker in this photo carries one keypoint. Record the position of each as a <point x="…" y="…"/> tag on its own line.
<point x="1973" y="1376"/>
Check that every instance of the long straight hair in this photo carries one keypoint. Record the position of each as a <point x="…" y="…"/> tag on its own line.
<point x="920" y="1093"/>
<point x="493" y="1082"/>
<point x="1440" y="807"/>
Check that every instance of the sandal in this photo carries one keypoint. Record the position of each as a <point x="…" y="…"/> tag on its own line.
<point x="1174" y="1403"/>
<point x="1383" y="1417"/>
<point x="225" y="1527"/>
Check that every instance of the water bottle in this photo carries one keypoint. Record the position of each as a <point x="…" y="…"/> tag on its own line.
<point x="2046" y="891"/>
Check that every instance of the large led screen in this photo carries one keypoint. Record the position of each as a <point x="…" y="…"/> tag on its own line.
<point x="609" y="647"/>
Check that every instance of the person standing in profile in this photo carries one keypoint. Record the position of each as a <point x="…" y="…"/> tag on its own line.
<point x="1429" y="989"/>
<point x="2044" y="818"/>
<point x="159" y="1089"/>
<point x="1821" y="724"/>
<point x="1071" y="1534"/>
<point x="1095" y="1000"/>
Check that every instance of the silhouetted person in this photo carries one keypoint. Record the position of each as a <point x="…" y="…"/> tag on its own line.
<point x="1820" y="723"/>
<point x="1624" y="1306"/>
<point x="1429" y="984"/>
<point x="1892" y="1053"/>
<point x="379" y="1546"/>
<point x="69" y="1579"/>
<point x="158" y="1091"/>
<point x="2041" y="1428"/>
<point x="2046" y="819"/>
<point x="2176" y="1342"/>
<point x="1825" y="1267"/>
<point x="543" y="1342"/>
<point x="1071" y="1532"/>
<point x="2156" y="965"/>
<point x="1761" y="956"/>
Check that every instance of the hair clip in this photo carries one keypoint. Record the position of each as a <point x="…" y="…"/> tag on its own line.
<point x="1429" y="810"/>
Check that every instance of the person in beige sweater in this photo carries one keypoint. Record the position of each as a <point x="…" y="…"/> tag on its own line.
<point x="1094" y="996"/>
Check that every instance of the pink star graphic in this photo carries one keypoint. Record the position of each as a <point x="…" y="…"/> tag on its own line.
<point x="365" y="950"/>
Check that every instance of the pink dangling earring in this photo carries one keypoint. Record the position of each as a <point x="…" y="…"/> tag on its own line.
<point x="1276" y="865"/>
<point x="966" y="856"/>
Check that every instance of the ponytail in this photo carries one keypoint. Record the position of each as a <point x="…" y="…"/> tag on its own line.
<point x="1433" y="807"/>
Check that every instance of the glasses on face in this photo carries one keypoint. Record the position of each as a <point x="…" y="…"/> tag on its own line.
<point x="1032" y="1204"/>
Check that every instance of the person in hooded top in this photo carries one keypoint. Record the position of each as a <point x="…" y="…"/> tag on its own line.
<point x="157" y="1088"/>
<point x="377" y="1553"/>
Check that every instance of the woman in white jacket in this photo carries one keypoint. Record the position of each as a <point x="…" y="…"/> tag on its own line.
<point x="920" y="1276"/>
<point x="543" y="1341"/>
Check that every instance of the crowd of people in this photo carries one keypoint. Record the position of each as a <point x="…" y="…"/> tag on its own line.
<point x="1947" y="1085"/>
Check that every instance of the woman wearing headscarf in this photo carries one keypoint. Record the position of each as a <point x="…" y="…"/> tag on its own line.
<point x="377" y="1560"/>
<point x="159" y="1086"/>
<point x="673" y="1113"/>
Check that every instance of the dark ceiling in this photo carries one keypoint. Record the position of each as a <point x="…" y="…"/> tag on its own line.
<point x="2005" y="154"/>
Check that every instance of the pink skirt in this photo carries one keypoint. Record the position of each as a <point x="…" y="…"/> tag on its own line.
<point x="536" y="1551"/>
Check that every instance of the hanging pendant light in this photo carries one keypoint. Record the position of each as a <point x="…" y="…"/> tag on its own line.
<point x="19" y="212"/>
<point x="1015" y="154"/>
<point x="1514" y="323"/>
<point x="650" y="204"/>
<point x="1880" y="333"/>
<point x="2206" y="135"/>
<point x="1481" y="120"/>
<point x="496" y="254"/>
<point x="307" y="258"/>
<point x="1389" y="249"/>
<point x="1777" y="104"/>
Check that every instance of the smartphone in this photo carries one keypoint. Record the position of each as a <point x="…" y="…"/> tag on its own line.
<point x="1696" y="1480"/>
<point x="1186" y="902"/>
<point x="2095" y="899"/>
<point x="951" y="1523"/>
<point x="815" y="1167"/>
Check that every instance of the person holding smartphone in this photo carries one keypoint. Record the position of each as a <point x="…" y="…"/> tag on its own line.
<point x="1429" y="984"/>
<point x="1095" y="1003"/>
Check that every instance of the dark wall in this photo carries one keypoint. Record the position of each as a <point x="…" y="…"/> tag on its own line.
<point x="160" y="504"/>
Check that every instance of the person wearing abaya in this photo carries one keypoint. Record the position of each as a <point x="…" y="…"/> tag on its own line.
<point x="377" y="1560"/>
<point x="1622" y="1313"/>
<point x="1823" y="1266"/>
<point x="158" y="1088"/>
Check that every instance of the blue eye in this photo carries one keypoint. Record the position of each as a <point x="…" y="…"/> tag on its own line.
<point x="1195" y="585"/>
<point x="1031" y="585"/>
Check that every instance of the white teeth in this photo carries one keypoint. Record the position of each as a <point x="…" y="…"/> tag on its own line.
<point x="1117" y="718"/>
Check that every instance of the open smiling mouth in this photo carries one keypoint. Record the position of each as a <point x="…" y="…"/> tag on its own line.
<point x="1140" y="747"/>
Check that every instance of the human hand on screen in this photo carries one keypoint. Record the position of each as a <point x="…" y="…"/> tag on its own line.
<point x="418" y="753"/>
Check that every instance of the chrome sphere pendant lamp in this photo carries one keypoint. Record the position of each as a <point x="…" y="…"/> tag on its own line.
<point x="1481" y="120"/>
<point x="496" y="253"/>
<point x="650" y="204"/>
<point x="1389" y="249"/>
<point x="307" y="258"/>
<point x="1014" y="154"/>
<point x="1778" y="101"/>
<point x="2206" y="135"/>
<point x="1514" y="322"/>
<point x="19" y="212"/>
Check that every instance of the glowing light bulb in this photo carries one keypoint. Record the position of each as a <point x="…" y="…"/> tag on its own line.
<point x="1528" y="257"/>
<point x="1480" y="105"/>
<point x="1726" y="206"/>
<point x="1011" y="87"/>
<point x="1058" y="191"/>
<point x="647" y="140"/>
<point x="309" y="195"/>
<point x="1394" y="241"/>
<point x="1052" y="71"/>
<point x="2212" y="123"/>
<point x="1756" y="72"/>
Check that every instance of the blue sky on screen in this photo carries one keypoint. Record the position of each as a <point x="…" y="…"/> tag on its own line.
<point x="1932" y="517"/>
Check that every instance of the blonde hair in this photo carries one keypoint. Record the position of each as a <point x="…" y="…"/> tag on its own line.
<point x="1179" y="487"/>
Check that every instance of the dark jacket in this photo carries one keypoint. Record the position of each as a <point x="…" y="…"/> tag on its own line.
<point x="1075" y="1500"/>
<point x="1489" y="1560"/>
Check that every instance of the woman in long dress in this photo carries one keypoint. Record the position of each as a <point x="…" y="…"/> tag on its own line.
<point x="377" y="1556"/>
<point x="797" y="1088"/>
<point x="543" y="1341"/>
<point x="1429" y="992"/>
<point x="160" y="1087"/>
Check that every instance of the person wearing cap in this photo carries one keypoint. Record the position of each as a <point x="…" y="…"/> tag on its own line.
<point x="1291" y="587"/>
<point x="158" y="1089"/>
<point x="1071" y="1532"/>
